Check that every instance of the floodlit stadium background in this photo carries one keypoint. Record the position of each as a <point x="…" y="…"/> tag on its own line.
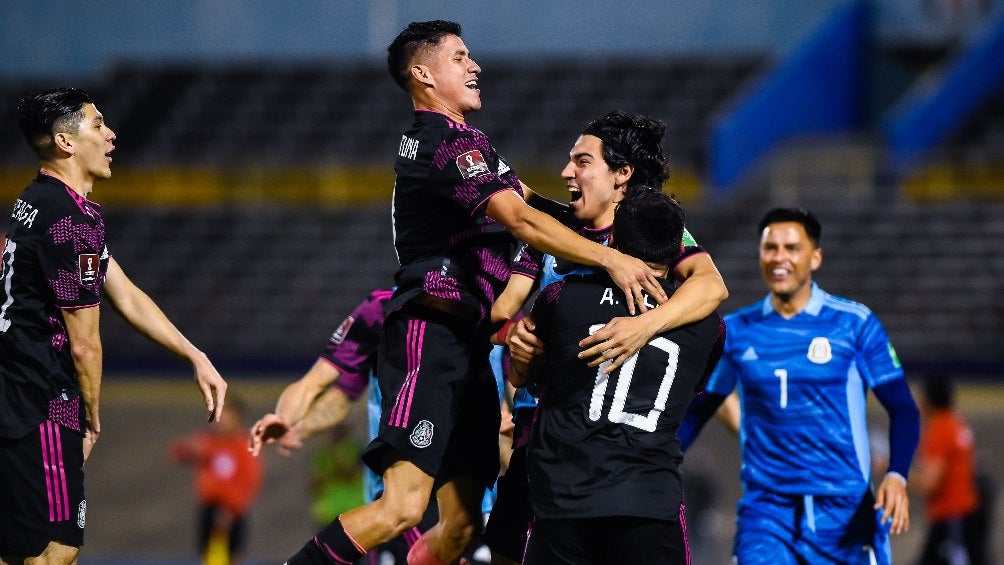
<point x="252" y="176"/>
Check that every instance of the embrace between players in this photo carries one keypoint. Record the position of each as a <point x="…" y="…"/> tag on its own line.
<point x="602" y="464"/>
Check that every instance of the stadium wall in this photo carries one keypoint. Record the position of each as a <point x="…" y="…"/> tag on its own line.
<point x="816" y="89"/>
<point x="942" y="102"/>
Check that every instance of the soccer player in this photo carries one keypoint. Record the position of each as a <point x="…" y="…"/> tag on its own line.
<point x="945" y="474"/>
<point x="458" y="210"/>
<point x="320" y="399"/>
<point x="56" y="270"/>
<point x="615" y="153"/>
<point x="803" y="361"/>
<point x="603" y="458"/>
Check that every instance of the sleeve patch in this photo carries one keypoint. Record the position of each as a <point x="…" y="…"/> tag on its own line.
<point x="88" y="264"/>
<point x="339" y="335"/>
<point x="472" y="164"/>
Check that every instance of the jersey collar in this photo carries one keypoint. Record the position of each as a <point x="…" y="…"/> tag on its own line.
<point x="817" y="297"/>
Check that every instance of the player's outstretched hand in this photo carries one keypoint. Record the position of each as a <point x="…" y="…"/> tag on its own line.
<point x="891" y="497"/>
<point x="523" y="344"/>
<point x="271" y="429"/>
<point x="633" y="276"/>
<point x="617" y="341"/>
<point x="212" y="385"/>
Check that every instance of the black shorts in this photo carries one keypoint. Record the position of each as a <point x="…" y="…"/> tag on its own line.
<point x="440" y="407"/>
<point x="607" y="541"/>
<point x="41" y="490"/>
<point x="509" y="521"/>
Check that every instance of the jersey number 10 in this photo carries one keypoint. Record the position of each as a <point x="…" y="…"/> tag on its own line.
<point x="624" y="375"/>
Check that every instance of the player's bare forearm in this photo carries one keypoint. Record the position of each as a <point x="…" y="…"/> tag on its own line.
<point x="327" y="411"/>
<point x="548" y="235"/>
<point x="297" y="398"/>
<point x="82" y="328"/>
<point x="702" y="291"/>
<point x="143" y="314"/>
<point x="508" y="304"/>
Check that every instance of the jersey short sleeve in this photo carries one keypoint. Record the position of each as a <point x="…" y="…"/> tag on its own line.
<point x="353" y="345"/>
<point x="73" y="270"/>
<point x="527" y="262"/>
<point x="879" y="362"/>
<point x="470" y="168"/>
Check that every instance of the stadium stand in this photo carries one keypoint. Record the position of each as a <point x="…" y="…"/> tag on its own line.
<point x="264" y="275"/>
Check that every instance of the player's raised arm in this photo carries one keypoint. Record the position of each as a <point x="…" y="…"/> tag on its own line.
<point x="300" y="413"/>
<point x="702" y="291"/>
<point x="550" y="236"/>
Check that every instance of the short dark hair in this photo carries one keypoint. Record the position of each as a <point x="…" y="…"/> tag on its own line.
<point x="633" y="140"/>
<point x="797" y="215"/>
<point x="648" y="224"/>
<point x="412" y="38"/>
<point x="939" y="391"/>
<point x="42" y="114"/>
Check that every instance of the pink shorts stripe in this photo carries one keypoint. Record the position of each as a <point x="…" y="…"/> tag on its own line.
<point x="54" y="471"/>
<point x="402" y="403"/>
<point x="683" y="526"/>
<point x="62" y="473"/>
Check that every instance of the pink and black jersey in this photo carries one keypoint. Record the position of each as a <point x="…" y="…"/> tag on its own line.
<point x="606" y="445"/>
<point x="54" y="258"/>
<point x="446" y="244"/>
<point x="352" y="347"/>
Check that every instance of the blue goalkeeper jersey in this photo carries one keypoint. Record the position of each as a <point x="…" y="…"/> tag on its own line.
<point x="802" y="384"/>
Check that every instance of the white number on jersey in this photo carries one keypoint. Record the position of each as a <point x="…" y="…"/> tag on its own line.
<point x="783" y="375"/>
<point x="624" y="376"/>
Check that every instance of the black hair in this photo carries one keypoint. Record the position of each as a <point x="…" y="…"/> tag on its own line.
<point x="42" y="114"/>
<point x="648" y="224"/>
<point x="939" y="391"/>
<point x="412" y="38"/>
<point x="633" y="140"/>
<point x="797" y="215"/>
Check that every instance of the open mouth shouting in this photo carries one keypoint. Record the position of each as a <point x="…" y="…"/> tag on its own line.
<point x="574" y="194"/>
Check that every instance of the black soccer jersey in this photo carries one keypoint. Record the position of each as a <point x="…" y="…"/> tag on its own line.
<point x="606" y="445"/>
<point x="446" y="244"/>
<point x="54" y="257"/>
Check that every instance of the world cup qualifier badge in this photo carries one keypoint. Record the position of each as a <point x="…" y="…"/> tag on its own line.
<point x="343" y="329"/>
<point x="88" y="264"/>
<point x="472" y="164"/>
<point x="421" y="436"/>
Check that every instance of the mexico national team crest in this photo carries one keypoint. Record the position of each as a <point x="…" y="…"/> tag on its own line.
<point x="472" y="164"/>
<point x="820" y="351"/>
<point x="421" y="436"/>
